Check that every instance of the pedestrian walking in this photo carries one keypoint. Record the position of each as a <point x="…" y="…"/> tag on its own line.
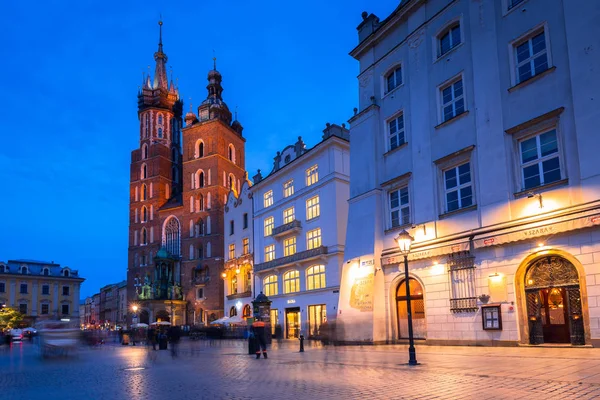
<point x="152" y="338"/>
<point x="174" y="336"/>
<point x="258" y="329"/>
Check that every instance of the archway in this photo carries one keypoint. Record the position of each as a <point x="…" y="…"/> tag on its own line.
<point x="144" y="317"/>
<point x="417" y="304"/>
<point x="162" y="315"/>
<point x="552" y="298"/>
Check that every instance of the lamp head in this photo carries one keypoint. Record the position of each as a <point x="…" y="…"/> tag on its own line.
<point x="530" y="195"/>
<point x="134" y="308"/>
<point x="404" y="241"/>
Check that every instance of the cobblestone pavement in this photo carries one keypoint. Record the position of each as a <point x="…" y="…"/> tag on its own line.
<point x="225" y="371"/>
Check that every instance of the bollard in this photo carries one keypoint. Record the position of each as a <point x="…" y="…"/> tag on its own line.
<point x="301" y="343"/>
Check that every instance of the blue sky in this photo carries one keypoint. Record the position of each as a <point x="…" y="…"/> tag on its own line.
<point x="70" y="75"/>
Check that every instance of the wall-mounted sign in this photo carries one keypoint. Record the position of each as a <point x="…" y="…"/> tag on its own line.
<point x="491" y="317"/>
<point x="361" y="295"/>
<point x="367" y="263"/>
<point x="291" y="301"/>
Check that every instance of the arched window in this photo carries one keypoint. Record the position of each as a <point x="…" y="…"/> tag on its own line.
<point x="270" y="286"/>
<point x="66" y="273"/>
<point x="208" y="205"/>
<point x="167" y="191"/>
<point x="200" y="203"/>
<point x="171" y="239"/>
<point x="315" y="277"/>
<point x="160" y="133"/>
<point x="199" y="227"/>
<point x="147" y="125"/>
<point x="247" y="313"/>
<point x="200" y="251"/>
<point x="144" y="214"/>
<point x="2" y="270"/>
<point x="192" y="204"/>
<point x="417" y="305"/>
<point x="191" y="251"/>
<point x="144" y="151"/>
<point x="208" y="250"/>
<point x="234" y="285"/>
<point x="46" y="272"/>
<point x="144" y="236"/>
<point x="231" y="153"/>
<point x="160" y="119"/>
<point x="144" y="192"/>
<point x="200" y="182"/>
<point x="23" y="270"/>
<point x="199" y="149"/>
<point x="207" y="229"/>
<point x="291" y="282"/>
<point x="191" y="228"/>
<point x="449" y="38"/>
<point x="231" y="183"/>
<point x="232" y="311"/>
<point x="143" y="172"/>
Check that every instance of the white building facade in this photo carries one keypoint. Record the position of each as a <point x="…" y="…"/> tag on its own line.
<point x="476" y="132"/>
<point x="300" y="214"/>
<point x="238" y="275"/>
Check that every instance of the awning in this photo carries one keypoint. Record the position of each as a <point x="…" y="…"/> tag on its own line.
<point x="427" y="252"/>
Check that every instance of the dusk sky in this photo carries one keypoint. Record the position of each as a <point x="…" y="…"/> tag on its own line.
<point x="70" y="79"/>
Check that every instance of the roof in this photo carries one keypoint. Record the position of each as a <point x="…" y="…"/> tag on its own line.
<point x="33" y="262"/>
<point x="173" y="202"/>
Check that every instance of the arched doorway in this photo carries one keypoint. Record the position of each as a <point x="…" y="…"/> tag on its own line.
<point x="554" y="306"/>
<point x="144" y="317"/>
<point x="417" y="305"/>
<point x="162" y="315"/>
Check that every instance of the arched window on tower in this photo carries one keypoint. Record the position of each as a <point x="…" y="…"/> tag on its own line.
<point x="172" y="236"/>
<point x="147" y="125"/>
<point x="144" y="237"/>
<point x="199" y="149"/>
<point x="144" y="151"/>
<point x="144" y="214"/>
<point x="200" y="251"/>
<point x="144" y="195"/>
<point x="200" y="182"/>
<point x="208" y="252"/>
<point x="231" y="153"/>
<point x="191" y="228"/>
<point x="143" y="172"/>
<point x="160" y="133"/>
<point x="200" y="203"/>
<point x="160" y="119"/>
<point x="167" y="191"/>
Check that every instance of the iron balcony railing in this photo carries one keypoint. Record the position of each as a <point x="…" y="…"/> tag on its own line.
<point x="285" y="229"/>
<point x="303" y="255"/>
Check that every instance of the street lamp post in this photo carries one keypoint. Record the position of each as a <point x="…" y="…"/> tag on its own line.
<point x="404" y="241"/>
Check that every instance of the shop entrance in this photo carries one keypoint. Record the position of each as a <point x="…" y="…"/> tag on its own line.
<point x="417" y="305"/>
<point x="553" y="296"/>
<point x="292" y="322"/>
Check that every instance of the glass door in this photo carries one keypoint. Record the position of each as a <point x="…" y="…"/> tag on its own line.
<point x="292" y="319"/>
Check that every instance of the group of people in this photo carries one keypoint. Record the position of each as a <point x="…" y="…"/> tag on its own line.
<point x="158" y="336"/>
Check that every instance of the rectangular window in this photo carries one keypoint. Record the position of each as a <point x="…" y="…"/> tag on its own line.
<point x="315" y="277"/>
<point x="393" y="79"/>
<point x="313" y="210"/>
<point x="45" y="309"/>
<point x="65" y="309"/>
<point x="65" y="290"/>
<point x="291" y="282"/>
<point x="269" y="224"/>
<point x="23" y="309"/>
<point x="513" y="3"/>
<point x="288" y="215"/>
<point x="245" y="220"/>
<point x="2" y="287"/>
<point x="268" y="199"/>
<point x="289" y="246"/>
<point x="396" y="136"/>
<point x="231" y="227"/>
<point x="46" y="289"/>
<point x="449" y="39"/>
<point x="540" y="162"/>
<point x="313" y="238"/>
<point x="461" y="269"/>
<point x="458" y="187"/>
<point x="200" y="294"/>
<point x="531" y="56"/>
<point x="231" y="251"/>
<point x="270" y="286"/>
<point x="246" y="245"/>
<point x="317" y="316"/>
<point x="312" y="175"/>
<point x="288" y="188"/>
<point x="23" y="288"/>
<point x="453" y="102"/>
<point x="399" y="207"/>
<point x="269" y="253"/>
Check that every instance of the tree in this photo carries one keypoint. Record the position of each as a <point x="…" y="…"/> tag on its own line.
<point x="9" y="318"/>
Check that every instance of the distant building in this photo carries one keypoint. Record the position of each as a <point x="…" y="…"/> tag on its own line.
<point x="95" y="306"/>
<point x="40" y="290"/>
<point x="122" y="305"/>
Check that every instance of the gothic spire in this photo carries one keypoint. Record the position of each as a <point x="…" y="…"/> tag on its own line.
<point x="160" y="72"/>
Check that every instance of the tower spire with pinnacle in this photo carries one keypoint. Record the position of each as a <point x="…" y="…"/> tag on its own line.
<point x="160" y="72"/>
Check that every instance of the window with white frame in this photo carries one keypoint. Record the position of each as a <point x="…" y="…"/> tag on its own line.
<point x="289" y="246"/>
<point x="288" y="188"/>
<point x="458" y="187"/>
<point x="268" y="199"/>
<point x="270" y="286"/>
<point x="399" y="203"/>
<point x="231" y="251"/>
<point x="313" y="239"/>
<point x="315" y="277"/>
<point x="234" y="285"/>
<point x="246" y="245"/>
<point x="393" y="79"/>
<point x="540" y="160"/>
<point x="46" y="289"/>
<point x="291" y="282"/>
<point x="531" y="56"/>
<point x="396" y="137"/>
<point x="288" y="215"/>
<point x="269" y="225"/>
<point x="312" y="175"/>
<point x="313" y="209"/>
<point x="269" y="253"/>
<point x="452" y="99"/>
<point x="449" y="39"/>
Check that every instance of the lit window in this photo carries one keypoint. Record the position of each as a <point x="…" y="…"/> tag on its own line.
<point x="288" y="215"/>
<point x="312" y="175"/>
<point x="540" y="162"/>
<point x="268" y="199"/>
<point x="458" y="187"/>
<point x="231" y="251"/>
<point x="313" y="210"/>
<point x="269" y="224"/>
<point x="291" y="282"/>
<point x="313" y="238"/>
<point x="396" y="136"/>
<point x="393" y="79"/>
<point x="399" y="207"/>
<point x="531" y="56"/>
<point x="269" y="253"/>
<point x="289" y="246"/>
<point x="246" y="245"/>
<point x="288" y="188"/>
<point x="270" y="286"/>
<point x="315" y="277"/>
<point x="234" y="285"/>
<point x="453" y="102"/>
<point x="449" y="39"/>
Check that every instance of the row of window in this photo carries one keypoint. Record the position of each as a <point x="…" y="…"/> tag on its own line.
<point x="162" y="126"/>
<point x="24" y="270"/>
<point x="539" y="164"/>
<point x="315" y="279"/>
<point x="244" y="224"/>
<point x="245" y="248"/>
<point x="141" y="192"/>
<point x="44" y="309"/>
<point x="199" y="151"/>
<point x="24" y="289"/>
<point x="247" y="283"/>
<point x="313" y="241"/>
<point x="313" y="210"/>
<point x="174" y="169"/>
<point x="312" y="177"/>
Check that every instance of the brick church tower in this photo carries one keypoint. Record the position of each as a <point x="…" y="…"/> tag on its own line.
<point x="178" y="191"/>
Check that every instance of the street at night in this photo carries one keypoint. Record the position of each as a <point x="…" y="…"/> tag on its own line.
<point x="223" y="370"/>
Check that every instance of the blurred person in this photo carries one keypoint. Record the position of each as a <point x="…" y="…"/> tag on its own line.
<point x="258" y="329"/>
<point x="174" y="334"/>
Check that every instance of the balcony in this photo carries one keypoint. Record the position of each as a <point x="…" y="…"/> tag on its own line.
<point x="200" y="280"/>
<point x="294" y="258"/>
<point x="242" y="295"/>
<point x="285" y="229"/>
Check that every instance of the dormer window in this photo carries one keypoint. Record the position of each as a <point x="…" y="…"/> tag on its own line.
<point x="66" y="273"/>
<point x="46" y="272"/>
<point x="23" y="270"/>
<point x="449" y="39"/>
